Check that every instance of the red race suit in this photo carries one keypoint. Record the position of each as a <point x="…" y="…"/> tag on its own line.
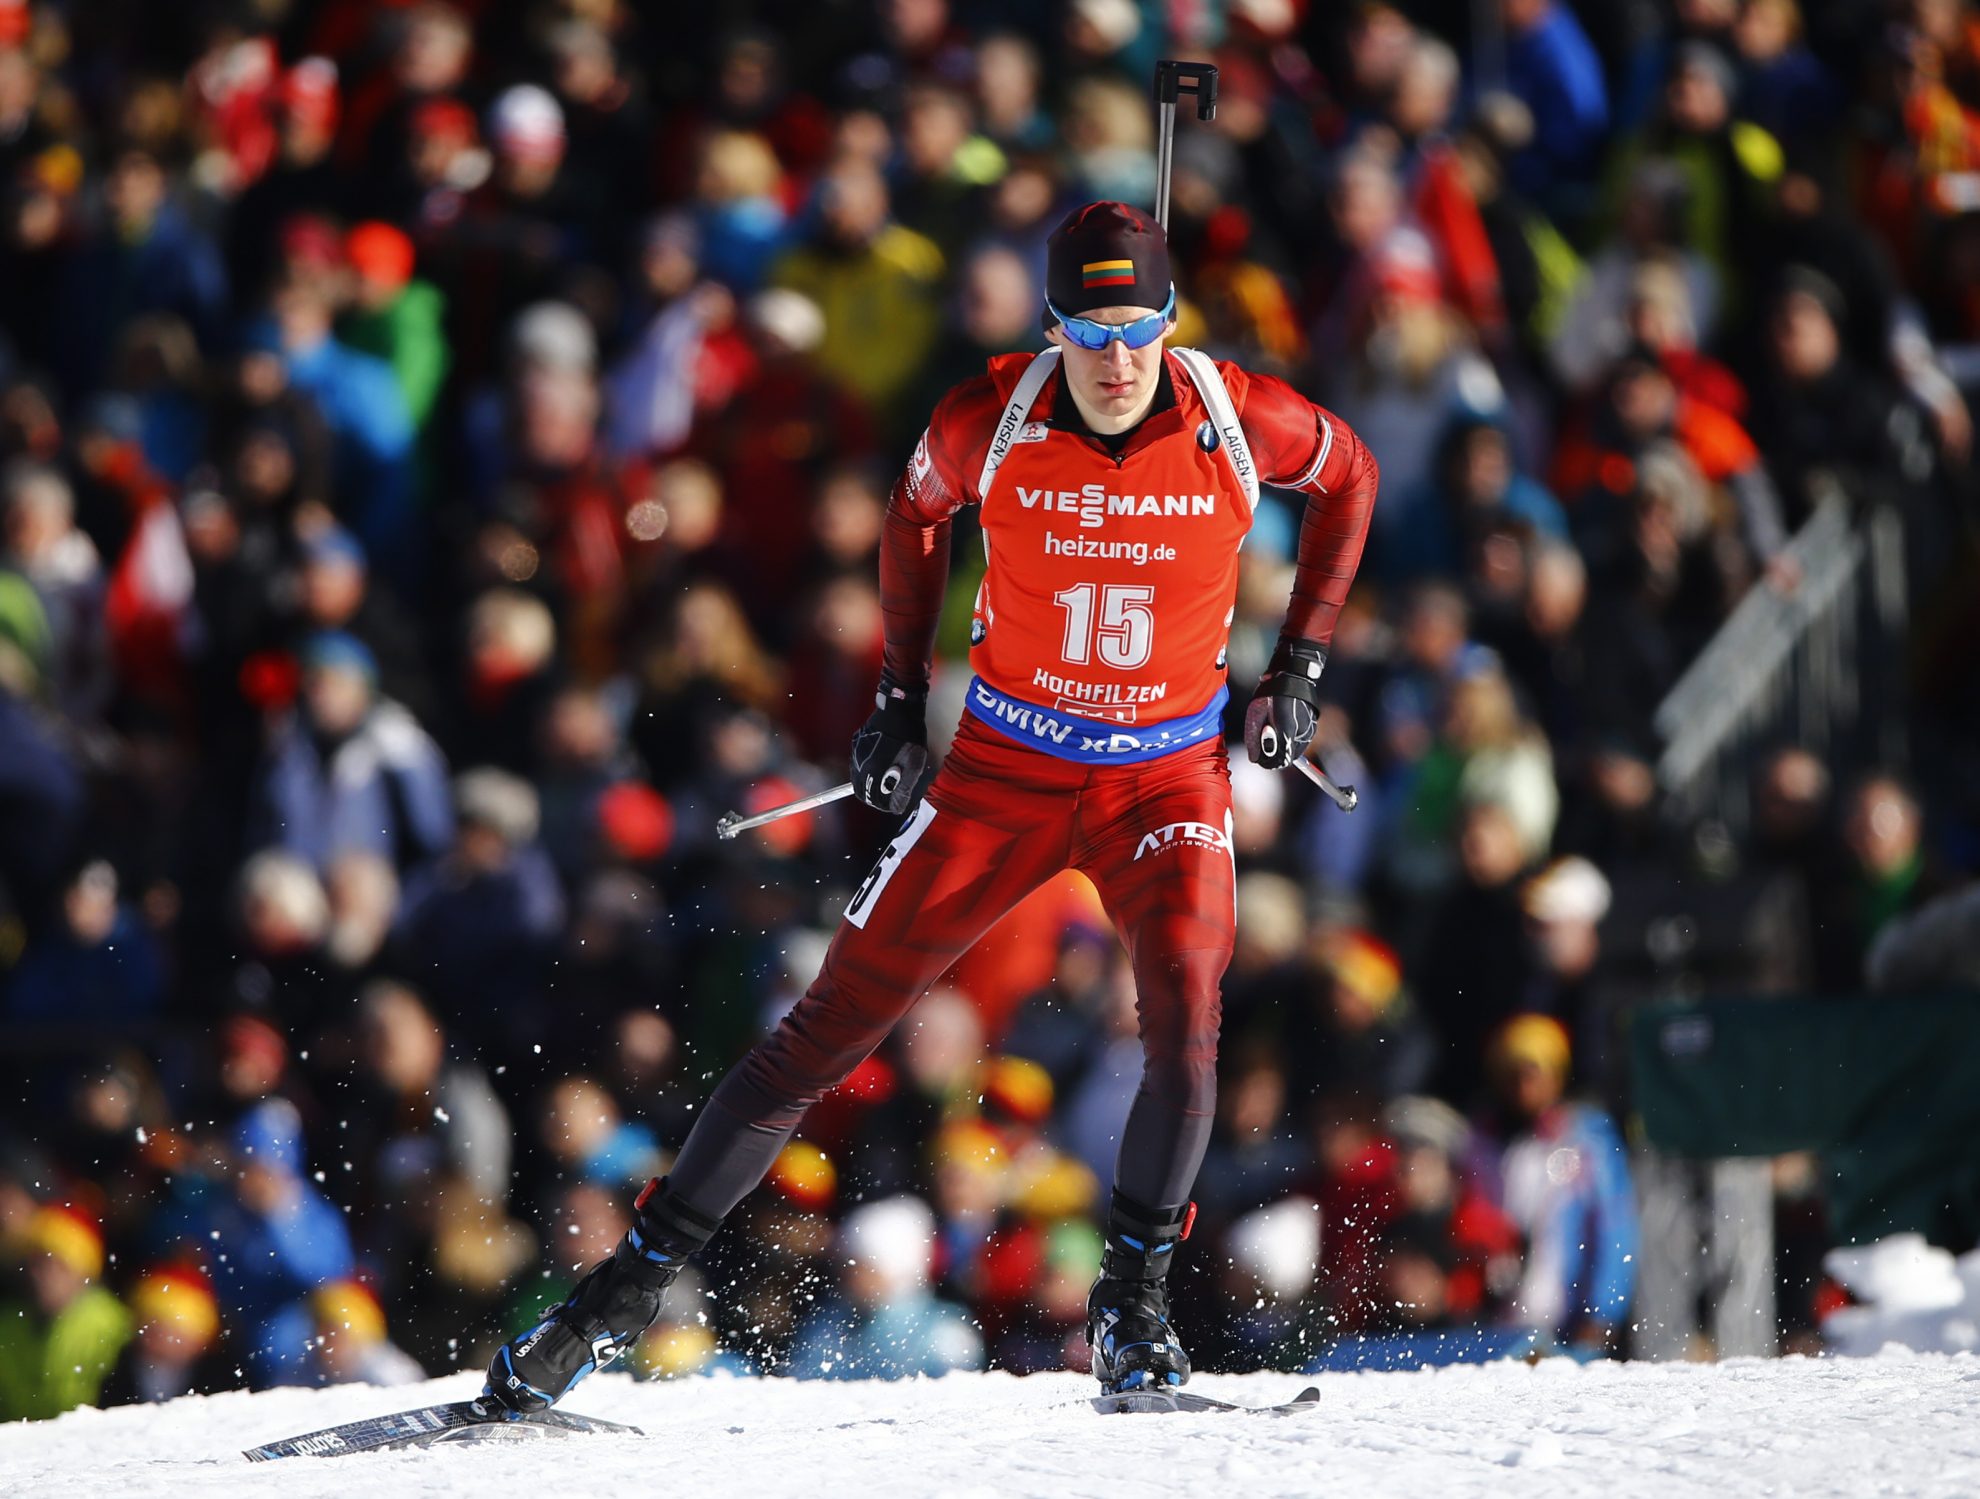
<point x="1093" y="737"/>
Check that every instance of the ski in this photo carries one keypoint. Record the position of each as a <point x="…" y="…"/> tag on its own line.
<point x="428" y="1425"/>
<point x="1159" y="1402"/>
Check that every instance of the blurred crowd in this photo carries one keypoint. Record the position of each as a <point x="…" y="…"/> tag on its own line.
<point x="443" y="449"/>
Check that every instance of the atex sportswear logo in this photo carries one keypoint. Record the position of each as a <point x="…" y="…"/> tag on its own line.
<point x="1183" y="835"/>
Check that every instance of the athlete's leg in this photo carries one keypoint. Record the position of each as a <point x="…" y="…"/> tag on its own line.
<point x="994" y="826"/>
<point x="1157" y="842"/>
<point x="1158" y="846"/>
<point x="996" y="823"/>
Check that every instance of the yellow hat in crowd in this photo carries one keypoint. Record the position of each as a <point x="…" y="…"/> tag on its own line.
<point x="179" y="1301"/>
<point x="806" y="1176"/>
<point x="1537" y="1039"/>
<point x="347" y="1306"/>
<point x="69" y="1237"/>
<point x="1366" y="966"/>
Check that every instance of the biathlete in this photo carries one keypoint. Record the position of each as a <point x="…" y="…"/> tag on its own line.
<point x="1117" y="478"/>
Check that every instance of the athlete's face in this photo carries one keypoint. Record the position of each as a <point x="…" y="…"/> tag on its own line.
<point x="1113" y="387"/>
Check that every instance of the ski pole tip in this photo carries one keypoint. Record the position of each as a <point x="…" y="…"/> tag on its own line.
<point x="725" y="828"/>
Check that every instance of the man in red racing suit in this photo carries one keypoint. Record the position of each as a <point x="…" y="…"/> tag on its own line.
<point x="1116" y="479"/>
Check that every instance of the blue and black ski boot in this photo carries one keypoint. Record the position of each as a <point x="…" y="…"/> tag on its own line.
<point x="1127" y="1314"/>
<point x="617" y="1300"/>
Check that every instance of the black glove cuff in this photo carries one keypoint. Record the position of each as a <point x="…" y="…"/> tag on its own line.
<point x="1294" y="671"/>
<point x="903" y="711"/>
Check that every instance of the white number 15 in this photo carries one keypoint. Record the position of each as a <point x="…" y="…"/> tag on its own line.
<point x="1125" y="632"/>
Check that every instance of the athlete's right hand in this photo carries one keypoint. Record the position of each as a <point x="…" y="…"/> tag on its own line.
<point x="891" y="766"/>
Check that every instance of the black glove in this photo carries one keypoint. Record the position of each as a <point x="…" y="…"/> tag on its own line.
<point x="891" y="766"/>
<point x="1285" y="710"/>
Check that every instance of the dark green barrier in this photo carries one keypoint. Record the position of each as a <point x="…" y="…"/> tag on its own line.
<point x="1887" y="1090"/>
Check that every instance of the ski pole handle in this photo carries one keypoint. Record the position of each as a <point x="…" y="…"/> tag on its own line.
<point x="1343" y="797"/>
<point x="735" y="822"/>
<point x="1172" y="80"/>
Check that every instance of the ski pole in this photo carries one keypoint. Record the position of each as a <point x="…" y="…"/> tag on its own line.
<point x="735" y="822"/>
<point x="1172" y="80"/>
<point x="1343" y="797"/>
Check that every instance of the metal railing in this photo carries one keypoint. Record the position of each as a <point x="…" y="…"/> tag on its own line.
<point x="1817" y="666"/>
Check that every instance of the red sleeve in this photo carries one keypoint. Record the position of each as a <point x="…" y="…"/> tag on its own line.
<point x="1297" y="445"/>
<point x="914" y="545"/>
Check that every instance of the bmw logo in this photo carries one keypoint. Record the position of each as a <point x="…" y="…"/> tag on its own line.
<point x="976" y="632"/>
<point x="1206" y="438"/>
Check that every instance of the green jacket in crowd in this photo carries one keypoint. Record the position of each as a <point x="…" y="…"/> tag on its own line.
<point x="50" y="1366"/>
<point x="410" y="336"/>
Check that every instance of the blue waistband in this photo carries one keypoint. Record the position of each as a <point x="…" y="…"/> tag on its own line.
<point x="1090" y="740"/>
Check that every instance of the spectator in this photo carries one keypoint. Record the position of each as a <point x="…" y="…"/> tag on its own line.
<point x="144" y="256"/>
<point x="686" y="362"/>
<point x="396" y="316"/>
<point x="178" y="1324"/>
<point x="1642" y="407"/>
<point x="1477" y="490"/>
<point x="1553" y="70"/>
<point x="362" y="405"/>
<point x="889" y="1325"/>
<point x="1819" y="415"/>
<point x="349" y="769"/>
<point x="307" y="103"/>
<point x="484" y="916"/>
<point x="1362" y="1030"/>
<point x="62" y="1332"/>
<point x="1557" y="1170"/>
<point x="1883" y="871"/>
<point x="266" y="1240"/>
<point x="40" y="539"/>
<point x="100" y="967"/>
<point x="876" y="283"/>
<point x="351" y="1346"/>
<point x="428" y="1115"/>
<point x="1474" y="963"/>
<point x="740" y="188"/>
<point x="42" y="796"/>
<point x="335" y="593"/>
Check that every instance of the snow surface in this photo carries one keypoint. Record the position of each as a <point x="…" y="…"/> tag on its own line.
<point x="1898" y="1424"/>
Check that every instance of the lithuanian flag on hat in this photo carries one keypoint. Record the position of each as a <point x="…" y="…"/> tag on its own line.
<point x="1107" y="273"/>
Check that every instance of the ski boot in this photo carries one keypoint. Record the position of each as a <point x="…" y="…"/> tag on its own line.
<point x="1127" y="1314"/>
<point x="617" y="1300"/>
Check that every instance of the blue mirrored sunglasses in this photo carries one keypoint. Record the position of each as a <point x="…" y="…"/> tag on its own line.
<point x="1138" y="334"/>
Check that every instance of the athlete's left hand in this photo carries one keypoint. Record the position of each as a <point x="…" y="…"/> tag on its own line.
<point x="891" y="766"/>
<point x="1285" y="710"/>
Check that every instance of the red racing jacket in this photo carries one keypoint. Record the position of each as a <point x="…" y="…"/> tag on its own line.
<point x="1111" y="577"/>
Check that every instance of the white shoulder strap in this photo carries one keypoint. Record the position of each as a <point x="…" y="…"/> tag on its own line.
<point x="1223" y="415"/>
<point x="1015" y="411"/>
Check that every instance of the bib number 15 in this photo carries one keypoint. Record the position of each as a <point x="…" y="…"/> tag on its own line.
<point x="1121" y="629"/>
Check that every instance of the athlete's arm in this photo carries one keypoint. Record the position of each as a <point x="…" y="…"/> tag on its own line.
<point x="1302" y="447"/>
<point x="914" y="542"/>
<point x="1298" y="446"/>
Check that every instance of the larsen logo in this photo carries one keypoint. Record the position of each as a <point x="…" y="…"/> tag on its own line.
<point x="1183" y="835"/>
